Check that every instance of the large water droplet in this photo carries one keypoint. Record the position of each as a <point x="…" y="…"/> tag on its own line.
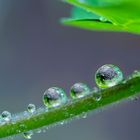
<point x="6" y="116"/>
<point x="108" y="75"/>
<point x="79" y="90"/>
<point x="31" y="108"/>
<point x="54" y="97"/>
<point x="28" y="135"/>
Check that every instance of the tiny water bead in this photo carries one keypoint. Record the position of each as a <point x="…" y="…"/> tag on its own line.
<point x="38" y="131"/>
<point x="6" y="116"/>
<point x="136" y="73"/>
<point x="95" y="89"/>
<point x="84" y="115"/>
<point x="79" y="90"/>
<point x="134" y="98"/>
<point x="108" y="75"/>
<point x="54" y="97"/>
<point x="28" y="135"/>
<point x="97" y="95"/>
<point x="31" y="108"/>
<point x="103" y="19"/>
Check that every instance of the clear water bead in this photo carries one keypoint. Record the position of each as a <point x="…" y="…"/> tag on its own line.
<point x="134" y="98"/>
<point x="28" y="135"/>
<point x="54" y="97"/>
<point x="6" y="116"/>
<point x="38" y="131"/>
<point x="84" y="115"/>
<point x="97" y="96"/>
<point x="31" y="108"/>
<point x="135" y="74"/>
<point x="96" y="93"/>
<point x="108" y="75"/>
<point x="103" y="19"/>
<point x="95" y="89"/>
<point x="79" y="90"/>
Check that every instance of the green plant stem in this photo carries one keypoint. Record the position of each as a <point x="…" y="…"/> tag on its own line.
<point x="74" y="108"/>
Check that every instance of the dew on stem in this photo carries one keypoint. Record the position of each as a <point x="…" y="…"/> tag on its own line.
<point x="45" y="118"/>
<point x="54" y="97"/>
<point x="31" y="108"/>
<point x="103" y="19"/>
<point x="136" y="73"/>
<point x="28" y="135"/>
<point x="79" y="90"/>
<point x="108" y="75"/>
<point x="6" y="116"/>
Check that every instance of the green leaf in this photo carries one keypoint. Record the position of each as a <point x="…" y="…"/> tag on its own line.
<point x="79" y="13"/>
<point x="119" y="15"/>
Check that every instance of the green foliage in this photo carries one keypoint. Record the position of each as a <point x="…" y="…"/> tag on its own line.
<point x="74" y="108"/>
<point x="108" y="15"/>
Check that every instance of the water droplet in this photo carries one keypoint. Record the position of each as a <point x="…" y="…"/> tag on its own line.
<point x="96" y="93"/>
<point x="62" y="122"/>
<point x="28" y="135"/>
<point x="103" y="19"/>
<point x="44" y="130"/>
<point x="38" y="131"/>
<point x="54" y="97"/>
<point x="108" y="75"/>
<point x="95" y="89"/>
<point x="136" y="74"/>
<point x="84" y="115"/>
<point x="79" y="90"/>
<point x="31" y="108"/>
<point x="124" y="81"/>
<point x="97" y="96"/>
<point x="6" y="116"/>
<point x="134" y="98"/>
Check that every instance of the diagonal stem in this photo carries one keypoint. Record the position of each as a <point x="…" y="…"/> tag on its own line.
<point x="72" y="109"/>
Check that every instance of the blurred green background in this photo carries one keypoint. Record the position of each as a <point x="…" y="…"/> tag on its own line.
<point x="37" y="52"/>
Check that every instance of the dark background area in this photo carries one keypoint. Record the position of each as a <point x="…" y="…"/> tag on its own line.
<point x="37" y="52"/>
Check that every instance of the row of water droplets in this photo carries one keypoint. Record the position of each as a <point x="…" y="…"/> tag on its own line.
<point x="106" y="76"/>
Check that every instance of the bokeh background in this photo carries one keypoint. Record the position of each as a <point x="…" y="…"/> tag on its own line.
<point x="37" y="52"/>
